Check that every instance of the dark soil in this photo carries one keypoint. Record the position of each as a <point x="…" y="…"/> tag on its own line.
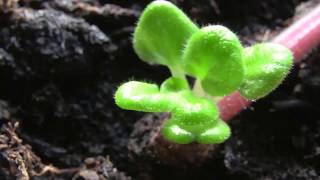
<point x="61" y="60"/>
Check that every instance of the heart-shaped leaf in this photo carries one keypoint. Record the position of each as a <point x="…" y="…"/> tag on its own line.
<point x="266" y="65"/>
<point x="213" y="55"/>
<point x="161" y="33"/>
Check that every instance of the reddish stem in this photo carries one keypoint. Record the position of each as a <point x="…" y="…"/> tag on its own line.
<point x="301" y="37"/>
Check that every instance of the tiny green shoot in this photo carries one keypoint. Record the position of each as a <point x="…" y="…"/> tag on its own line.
<point x="214" y="57"/>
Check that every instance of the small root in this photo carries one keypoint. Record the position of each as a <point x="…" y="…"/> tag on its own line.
<point x="54" y="170"/>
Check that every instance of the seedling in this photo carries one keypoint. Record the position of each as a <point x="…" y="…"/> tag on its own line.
<point x="214" y="56"/>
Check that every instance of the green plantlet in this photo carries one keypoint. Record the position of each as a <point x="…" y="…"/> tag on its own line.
<point x="214" y="56"/>
<point x="161" y="34"/>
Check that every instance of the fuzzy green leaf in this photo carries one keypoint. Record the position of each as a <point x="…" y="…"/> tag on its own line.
<point x="161" y="33"/>
<point x="193" y="119"/>
<point x="266" y="65"/>
<point x="215" y="134"/>
<point x="194" y="110"/>
<point x="174" y="133"/>
<point x="140" y="96"/>
<point x="211" y="132"/>
<point x="213" y="55"/>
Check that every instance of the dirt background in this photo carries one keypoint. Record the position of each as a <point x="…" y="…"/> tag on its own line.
<point x="61" y="60"/>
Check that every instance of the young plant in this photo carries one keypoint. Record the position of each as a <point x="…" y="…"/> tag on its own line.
<point x="214" y="56"/>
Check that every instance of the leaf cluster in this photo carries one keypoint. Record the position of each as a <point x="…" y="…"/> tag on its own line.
<point x="214" y="57"/>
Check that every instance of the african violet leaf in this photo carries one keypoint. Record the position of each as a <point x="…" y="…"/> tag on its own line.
<point x="213" y="55"/>
<point x="266" y="65"/>
<point x="161" y="33"/>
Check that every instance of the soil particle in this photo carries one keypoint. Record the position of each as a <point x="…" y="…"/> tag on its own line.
<point x="146" y="142"/>
<point x="100" y="16"/>
<point x="153" y="157"/>
<point x="55" y="67"/>
<point x="17" y="160"/>
<point x="7" y="5"/>
<point x="4" y="112"/>
<point x="99" y="168"/>
<point x="43" y="45"/>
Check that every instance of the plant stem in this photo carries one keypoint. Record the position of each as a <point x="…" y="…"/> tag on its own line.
<point x="199" y="92"/>
<point x="177" y="71"/>
<point x="303" y="35"/>
<point x="197" y="89"/>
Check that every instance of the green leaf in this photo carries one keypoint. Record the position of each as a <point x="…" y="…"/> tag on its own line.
<point x="140" y="96"/>
<point x="161" y="33"/>
<point x="215" y="134"/>
<point x="196" y="121"/>
<point x="213" y="55"/>
<point x="193" y="119"/>
<point x="174" y="133"/>
<point x="194" y="111"/>
<point x="210" y="133"/>
<point x="174" y="84"/>
<point x="266" y="66"/>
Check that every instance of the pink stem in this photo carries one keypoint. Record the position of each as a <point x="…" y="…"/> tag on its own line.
<point x="301" y="37"/>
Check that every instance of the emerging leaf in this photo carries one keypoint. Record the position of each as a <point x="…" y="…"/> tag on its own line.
<point x="195" y="120"/>
<point x="174" y="84"/>
<point x="213" y="55"/>
<point x="215" y="134"/>
<point x="161" y="33"/>
<point x="266" y="65"/>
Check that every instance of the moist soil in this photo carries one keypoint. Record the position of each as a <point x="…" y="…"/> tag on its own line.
<point x="61" y="61"/>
